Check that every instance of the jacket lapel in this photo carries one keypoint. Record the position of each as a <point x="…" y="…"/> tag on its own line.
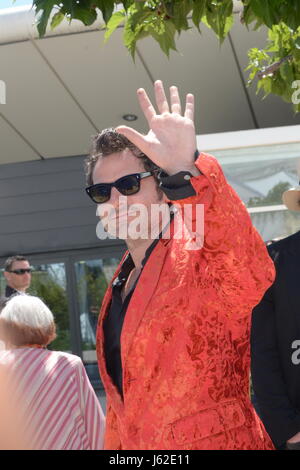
<point x="143" y="292"/>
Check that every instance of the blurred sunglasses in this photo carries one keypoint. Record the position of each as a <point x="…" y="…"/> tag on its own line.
<point x="21" y="271"/>
<point x="127" y="185"/>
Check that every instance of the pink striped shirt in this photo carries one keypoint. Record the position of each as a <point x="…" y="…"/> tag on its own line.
<point x="61" y="410"/>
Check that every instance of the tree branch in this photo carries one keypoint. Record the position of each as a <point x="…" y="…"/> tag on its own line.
<point x="273" y="67"/>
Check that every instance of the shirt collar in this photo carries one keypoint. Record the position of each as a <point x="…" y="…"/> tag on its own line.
<point x="128" y="263"/>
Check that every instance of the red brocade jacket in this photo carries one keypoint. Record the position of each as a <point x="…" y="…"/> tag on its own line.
<point x="185" y="338"/>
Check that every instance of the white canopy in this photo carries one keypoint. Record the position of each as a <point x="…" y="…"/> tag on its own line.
<point x="64" y="88"/>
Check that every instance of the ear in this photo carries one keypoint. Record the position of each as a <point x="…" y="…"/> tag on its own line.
<point x="6" y="275"/>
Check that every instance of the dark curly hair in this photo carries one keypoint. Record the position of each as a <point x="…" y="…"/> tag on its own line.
<point x="109" y="141"/>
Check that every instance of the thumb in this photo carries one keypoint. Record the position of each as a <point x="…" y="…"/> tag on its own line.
<point x="134" y="136"/>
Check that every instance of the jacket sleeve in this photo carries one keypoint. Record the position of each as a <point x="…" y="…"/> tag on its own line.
<point x="281" y="419"/>
<point x="235" y="252"/>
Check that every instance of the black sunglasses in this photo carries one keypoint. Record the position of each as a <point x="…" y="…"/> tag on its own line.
<point x="127" y="185"/>
<point x="21" y="271"/>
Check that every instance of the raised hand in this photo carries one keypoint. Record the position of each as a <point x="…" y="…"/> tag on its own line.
<point x="171" y="140"/>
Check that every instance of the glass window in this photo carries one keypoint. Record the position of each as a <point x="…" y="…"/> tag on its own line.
<point x="49" y="283"/>
<point x="260" y="175"/>
<point x="92" y="279"/>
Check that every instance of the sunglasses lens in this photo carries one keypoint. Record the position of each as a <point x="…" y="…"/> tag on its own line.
<point x="129" y="185"/>
<point x="100" y="194"/>
<point x="21" y="271"/>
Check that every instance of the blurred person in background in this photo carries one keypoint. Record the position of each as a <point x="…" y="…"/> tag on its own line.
<point x="17" y="272"/>
<point x="60" y="407"/>
<point x="275" y="341"/>
<point x="12" y="435"/>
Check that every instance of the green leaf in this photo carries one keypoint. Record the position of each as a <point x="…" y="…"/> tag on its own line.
<point x="297" y="55"/>
<point x="257" y="25"/>
<point x="127" y="4"/>
<point x="220" y="18"/>
<point x="46" y="7"/>
<point x="267" y="86"/>
<point x="106" y="7"/>
<point x="248" y="15"/>
<point x="228" y="25"/>
<point x="291" y="16"/>
<point x="296" y="108"/>
<point x="259" y="85"/>
<point x="179" y="14"/>
<point x="170" y="37"/>
<point x="129" y="38"/>
<point x="198" y="12"/>
<point x="57" y="19"/>
<point x="278" y="86"/>
<point x="140" y="17"/>
<point x="83" y="14"/>
<point x="286" y="71"/>
<point x="252" y="75"/>
<point x="115" y="20"/>
<point x="265" y="11"/>
<point x="165" y="39"/>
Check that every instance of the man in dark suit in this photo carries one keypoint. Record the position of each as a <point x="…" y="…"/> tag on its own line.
<point x="275" y="342"/>
<point x="17" y="272"/>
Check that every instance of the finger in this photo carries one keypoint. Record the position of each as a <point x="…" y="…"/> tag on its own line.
<point x="134" y="136"/>
<point x="146" y="105"/>
<point x="189" y="107"/>
<point x="175" y="100"/>
<point x="160" y="97"/>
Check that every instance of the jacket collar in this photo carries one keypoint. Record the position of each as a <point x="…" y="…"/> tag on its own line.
<point x="9" y="291"/>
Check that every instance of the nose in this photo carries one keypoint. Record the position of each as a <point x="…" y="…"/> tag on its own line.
<point x="116" y="204"/>
<point x="114" y="197"/>
<point x="118" y="201"/>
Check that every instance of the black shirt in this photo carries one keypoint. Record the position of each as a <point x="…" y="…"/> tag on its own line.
<point x="113" y="323"/>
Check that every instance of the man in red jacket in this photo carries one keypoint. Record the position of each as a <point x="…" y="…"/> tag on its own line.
<point x="173" y="331"/>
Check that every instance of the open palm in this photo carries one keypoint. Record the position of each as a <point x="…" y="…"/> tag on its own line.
<point x="171" y="140"/>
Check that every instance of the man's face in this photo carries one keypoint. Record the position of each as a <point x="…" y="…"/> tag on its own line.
<point x="117" y="211"/>
<point x="18" y="281"/>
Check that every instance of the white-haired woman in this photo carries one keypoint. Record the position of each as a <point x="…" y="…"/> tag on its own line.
<point x="60" y="409"/>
